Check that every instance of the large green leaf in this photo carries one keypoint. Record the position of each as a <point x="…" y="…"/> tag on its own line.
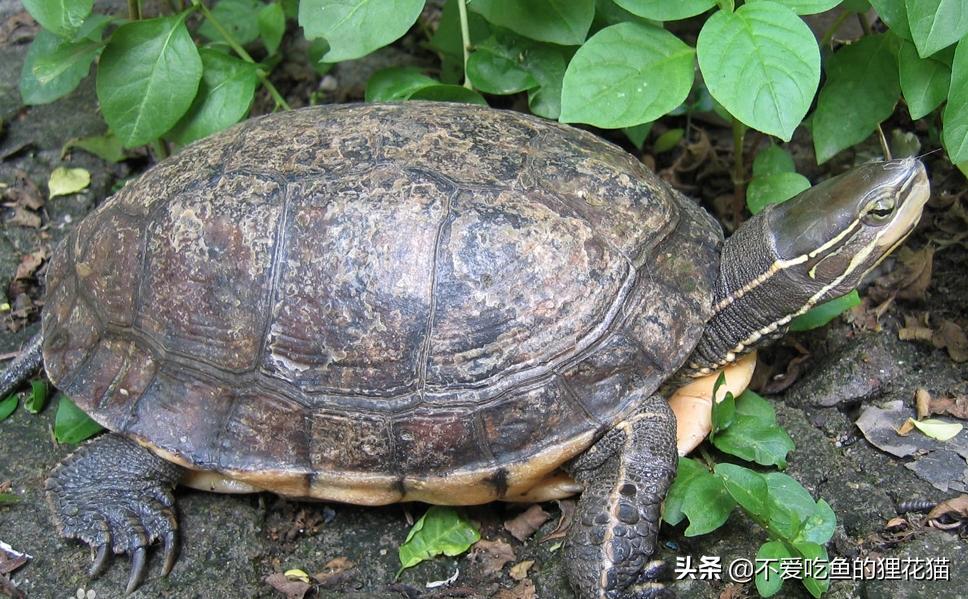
<point x="547" y="63"/>
<point x="395" y="84"/>
<point x="894" y="14"/>
<point x="497" y="65"/>
<point x="762" y="64"/>
<point x="48" y="49"/>
<point x="707" y="504"/>
<point x="664" y="10"/>
<point x="955" y="134"/>
<point x="805" y="7"/>
<point x="441" y="530"/>
<point x="71" y="424"/>
<point x="236" y="16"/>
<point x="61" y="17"/>
<point x="354" y="28"/>
<point x="147" y="78"/>
<point x="861" y="90"/>
<point x="626" y="75"/>
<point x="564" y="22"/>
<point x="936" y="24"/>
<point x="924" y="81"/>
<point x="224" y="96"/>
<point x="755" y="440"/>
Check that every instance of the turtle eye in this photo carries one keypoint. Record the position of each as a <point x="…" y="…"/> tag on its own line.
<point x="879" y="211"/>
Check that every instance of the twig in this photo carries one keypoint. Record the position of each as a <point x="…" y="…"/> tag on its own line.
<point x="465" y="34"/>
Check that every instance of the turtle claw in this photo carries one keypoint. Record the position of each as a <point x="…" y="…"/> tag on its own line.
<point x="100" y="562"/>
<point x="171" y="552"/>
<point x="137" y="576"/>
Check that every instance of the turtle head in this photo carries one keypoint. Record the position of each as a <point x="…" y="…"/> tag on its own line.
<point x="807" y="250"/>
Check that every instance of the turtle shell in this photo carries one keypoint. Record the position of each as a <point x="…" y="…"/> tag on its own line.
<point x="374" y="303"/>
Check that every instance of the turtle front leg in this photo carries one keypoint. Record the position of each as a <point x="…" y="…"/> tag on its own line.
<point x="626" y="475"/>
<point x="116" y="496"/>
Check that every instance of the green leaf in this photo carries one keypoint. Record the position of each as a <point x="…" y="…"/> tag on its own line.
<point x="626" y="75"/>
<point x="46" y="46"/>
<point x="955" y="119"/>
<point x="107" y="147"/>
<point x="754" y="440"/>
<point x="746" y="487"/>
<point x="774" y="189"/>
<point x="687" y="471"/>
<point x="856" y="5"/>
<point x="768" y="579"/>
<point x="71" y="424"/>
<point x="497" y="66"/>
<point x="762" y="64"/>
<point x="147" y="78"/>
<point x="354" y="28"/>
<point x="444" y="92"/>
<point x="785" y="491"/>
<point x="664" y="10"/>
<point x="937" y="429"/>
<point x="236" y="17"/>
<point x="224" y="97"/>
<point x="707" y="504"/>
<point x="806" y="7"/>
<point x="668" y="140"/>
<point x="73" y="57"/>
<point x="820" y="315"/>
<point x="936" y="24"/>
<point x="817" y="554"/>
<point x="924" y="81"/>
<point x="819" y="526"/>
<point x="723" y="412"/>
<point x="396" y="84"/>
<point x="752" y="405"/>
<point x="61" y="17"/>
<point x="8" y="406"/>
<point x="564" y="22"/>
<point x="772" y="160"/>
<point x="272" y="25"/>
<point x="441" y="530"/>
<point x="894" y="14"/>
<point x="547" y="64"/>
<point x="65" y="181"/>
<point x="638" y="134"/>
<point x="447" y="40"/>
<point x="861" y="91"/>
<point x="38" y="396"/>
<point x="8" y="498"/>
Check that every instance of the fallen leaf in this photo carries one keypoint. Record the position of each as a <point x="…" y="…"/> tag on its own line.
<point x="896" y="522"/>
<point x="492" y="555"/>
<point x="922" y="402"/>
<point x="956" y="508"/>
<point x="292" y="589"/>
<point x="937" y="429"/>
<point x="519" y="571"/>
<point x="524" y="524"/>
<point x="952" y="406"/>
<point x="906" y="427"/>
<point x="335" y="572"/>
<point x="567" y="508"/>
<point x="297" y="574"/>
<point x="523" y="590"/>
<point x="951" y="336"/>
<point x="29" y="263"/>
<point x="65" y="181"/>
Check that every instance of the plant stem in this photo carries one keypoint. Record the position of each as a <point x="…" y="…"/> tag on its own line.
<point x="863" y="23"/>
<point x="884" y="145"/>
<point x="238" y="49"/>
<point x="739" y="135"/>
<point x="159" y="149"/>
<point x="828" y="36"/>
<point x="134" y="10"/>
<point x="465" y="34"/>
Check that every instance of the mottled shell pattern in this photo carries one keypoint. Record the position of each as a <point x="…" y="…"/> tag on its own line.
<point x="374" y="303"/>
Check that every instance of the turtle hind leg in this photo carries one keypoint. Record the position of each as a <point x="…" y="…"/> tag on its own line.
<point x="116" y="496"/>
<point x="626" y="475"/>
<point x="25" y="364"/>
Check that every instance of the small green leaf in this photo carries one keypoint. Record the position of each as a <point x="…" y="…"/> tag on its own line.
<point x="497" y="66"/>
<point x="46" y="47"/>
<point x="71" y="424"/>
<point x="806" y="7"/>
<point x="861" y="91"/>
<point x="762" y="64"/>
<point x="444" y="92"/>
<point x="774" y="189"/>
<point x="224" y="97"/>
<point x="396" y="84"/>
<point x="820" y="525"/>
<point x="937" y="429"/>
<point x="668" y="140"/>
<point x="924" y="81"/>
<point x="817" y="554"/>
<point x="746" y="487"/>
<point x="664" y="10"/>
<point x="8" y="406"/>
<point x="638" y="134"/>
<point x="236" y="17"/>
<point x="687" y="471"/>
<point x="955" y="133"/>
<point x="107" y="147"/>
<point x="753" y="440"/>
<point x="625" y="75"/>
<point x="820" y="315"/>
<point x="768" y="579"/>
<point x="723" y="412"/>
<point x="356" y="28"/>
<point x="772" y="160"/>
<point x="272" y="25"/>
<point x="707" y="505"/>
<point x="61" y="17"/>
<point x="65" y="181"/>
<point x="38" y="396"/>
<point x="8" y="498"/>
<point x="147" y="78"/>
<point x="752" y="405"/>
<point x="564" y="22"/>
<point x="936" y="24"/>
<point x="441" y="530"/>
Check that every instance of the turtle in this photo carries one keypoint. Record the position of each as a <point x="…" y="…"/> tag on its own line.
<point x="433" y="302"/>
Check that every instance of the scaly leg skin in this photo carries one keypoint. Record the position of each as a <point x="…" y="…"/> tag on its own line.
<point x="116" y="496"/>
<point x="626" y="475"/>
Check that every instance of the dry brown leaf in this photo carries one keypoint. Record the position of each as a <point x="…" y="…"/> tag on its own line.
<point x="905" y="429"/>
<point x="951" y="336"/>
<point x="524" y="524"/>
<point x="910" y="277"/>
<point x="519" y="571"/>
<point x="335" y="571"/>
<point x="567" y="507"/>
<point x="523" y="590"/>
<point x="896" y="522"/>
<point x="922" y="402"/>
<point x="30" y="263"/>
<point x="492" y="555"/>
<point x="956" y="508"/>
<point x="292" y="589"/>
<point x="952" y="406"/>
<point x="24" y="218"/>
